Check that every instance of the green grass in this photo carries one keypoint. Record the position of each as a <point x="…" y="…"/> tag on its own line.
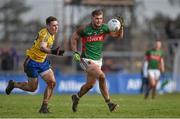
<point x="91" y="106"/>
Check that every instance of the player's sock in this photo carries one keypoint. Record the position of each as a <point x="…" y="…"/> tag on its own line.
<point x="153" y="94"/>
<point x="107" y="101"/>
<point x="147" y="92"/>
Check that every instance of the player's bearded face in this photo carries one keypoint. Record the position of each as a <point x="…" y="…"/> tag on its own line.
<point x="53" y="27"/>
<point x="97" y="20"/>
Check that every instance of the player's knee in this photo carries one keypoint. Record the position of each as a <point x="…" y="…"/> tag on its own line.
<point x="89" y="86"/>
<point x="32" y="88"/>
<point x="51" y="84"/>
<point x="153" y="85"/>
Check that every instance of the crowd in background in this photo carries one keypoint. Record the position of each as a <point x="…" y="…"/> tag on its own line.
<point x="9" y="60"/>
<point x="11" y="57"/>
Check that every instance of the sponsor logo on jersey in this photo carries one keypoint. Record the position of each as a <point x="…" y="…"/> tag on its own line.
<point x="95" y="38"/>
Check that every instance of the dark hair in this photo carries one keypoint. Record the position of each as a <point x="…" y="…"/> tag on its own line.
<point x="158" y="40"/>
<point x="50" y="19"/>
<point x="97" y="12"/>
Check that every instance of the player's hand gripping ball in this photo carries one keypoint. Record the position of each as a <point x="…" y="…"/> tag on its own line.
<point x="114" y="25"/>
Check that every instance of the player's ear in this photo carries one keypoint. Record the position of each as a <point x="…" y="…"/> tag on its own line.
<point x="104" y="20"/>
<point x="48" y="27"/>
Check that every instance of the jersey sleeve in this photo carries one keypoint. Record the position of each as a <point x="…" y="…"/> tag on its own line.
<point x="105" y="28"/>
<point x="80" y="31"/>
<point x="162" y="55"/>
<point x="43" y="36"/>
<point x="147" y="54"/>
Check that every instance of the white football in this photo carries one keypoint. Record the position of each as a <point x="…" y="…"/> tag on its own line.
<point x="114" y="25"/>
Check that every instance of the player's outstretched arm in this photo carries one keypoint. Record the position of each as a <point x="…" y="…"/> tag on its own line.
<point x="162" y="66"/>
<point x="56" y="51"/>
<point x="121" y="20"/>
<point x="74" y="40"/>
<point x="120" y="32"/>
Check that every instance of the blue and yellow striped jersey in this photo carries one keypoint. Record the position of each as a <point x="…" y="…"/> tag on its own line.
<point x="34" y="52"/>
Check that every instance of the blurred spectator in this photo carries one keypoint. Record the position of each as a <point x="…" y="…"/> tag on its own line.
<point x="110" y="65"/>
<point x="9" y="59"/>
<point x="107" y="66"/>
<point x="172" y="28"/>
<point x="15" y="57"/>
<point x="7" y="62"/>
<point x="169" y="28"/>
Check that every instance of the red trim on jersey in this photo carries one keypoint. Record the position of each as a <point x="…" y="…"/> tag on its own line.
<point x="153" y="57"/>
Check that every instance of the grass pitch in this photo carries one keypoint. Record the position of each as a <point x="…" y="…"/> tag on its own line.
<point x="91" y="106"/>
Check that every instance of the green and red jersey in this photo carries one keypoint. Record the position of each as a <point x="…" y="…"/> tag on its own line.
<point x="92" y="41"/>
<point x="154" y="57"/>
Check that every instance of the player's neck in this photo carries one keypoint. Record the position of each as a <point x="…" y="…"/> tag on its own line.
<point x="94" y="26"/>
<point x="50" y="32"/>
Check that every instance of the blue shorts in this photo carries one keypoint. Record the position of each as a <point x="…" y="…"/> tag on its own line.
<point x="33" y="68"/>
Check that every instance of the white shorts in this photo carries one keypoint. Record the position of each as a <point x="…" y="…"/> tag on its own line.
<point x="154" y="73"/>
<point x="84" y="63"/>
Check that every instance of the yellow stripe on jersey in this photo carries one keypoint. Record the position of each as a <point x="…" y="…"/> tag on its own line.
<point x="34" y="52"/>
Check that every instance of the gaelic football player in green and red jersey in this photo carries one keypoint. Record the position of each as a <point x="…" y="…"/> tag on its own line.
<point x="92" y="36"/>
<point x="155" y="67"/>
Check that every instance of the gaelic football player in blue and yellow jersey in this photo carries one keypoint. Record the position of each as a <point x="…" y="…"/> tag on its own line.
<point x="92" y="36"/>
<point x="36" y="63"/>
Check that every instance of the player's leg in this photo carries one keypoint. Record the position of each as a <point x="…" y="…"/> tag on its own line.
<point x="91" y="80"/>
<point x="149" y="84"/>
<point x="142" y="85"/>
<point x="96" y="71"/>
<point x="104" y="91"/>
<point x="147" y="91"/>
<point x="156" y="79"/>
<point x="148" y="88"/>
<point x="152" y="83"/>
<point x="92" y="74"/>
<point x="103" y="86"/>
<point x="48" y="77"/>
<point x="154" y="89"/>
<point x="32" y="83"/>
